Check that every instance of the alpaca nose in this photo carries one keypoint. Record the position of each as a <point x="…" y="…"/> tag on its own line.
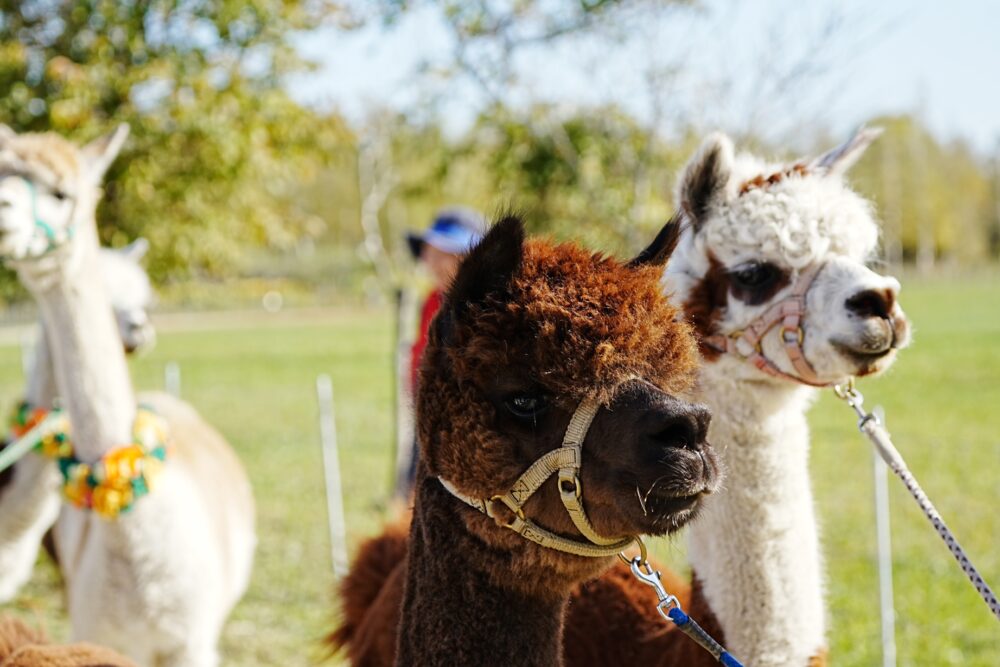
<point x="685" y="426"/>
<point x="873" y="302"/>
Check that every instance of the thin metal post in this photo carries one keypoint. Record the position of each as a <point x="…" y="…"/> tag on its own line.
<point x="403" y="447"/>
<point x="172" y="378"/>
<point x="331" y="468"/>
<point x="886" y="606"/>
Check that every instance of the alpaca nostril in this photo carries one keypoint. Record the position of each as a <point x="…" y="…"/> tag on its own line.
<point x="683" y="432"/>
<point x="872" y="303"/>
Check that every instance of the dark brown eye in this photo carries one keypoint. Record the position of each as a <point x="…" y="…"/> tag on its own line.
<point x="60" y="195"/>
<point x="526" y="406"/>
<point x="756" y="276"/>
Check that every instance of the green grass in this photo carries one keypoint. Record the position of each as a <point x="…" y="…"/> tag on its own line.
<point x="256" y="384"/>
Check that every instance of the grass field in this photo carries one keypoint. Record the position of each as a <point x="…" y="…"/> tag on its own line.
<point x="254" y="380"/>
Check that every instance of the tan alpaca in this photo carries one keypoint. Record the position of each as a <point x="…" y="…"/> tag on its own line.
<point x="29" y="493"/>
<point x="158" y="581"/>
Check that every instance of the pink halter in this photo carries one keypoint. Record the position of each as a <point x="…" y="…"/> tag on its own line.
<point x="788" y="312"/>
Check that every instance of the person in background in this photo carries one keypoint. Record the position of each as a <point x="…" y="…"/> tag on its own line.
<point x="439" y="249"/>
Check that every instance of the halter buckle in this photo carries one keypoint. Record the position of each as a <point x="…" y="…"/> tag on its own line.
<point x="797" y="332"/>
<point x="517" y="511"/>
<point x="569" y="484"/>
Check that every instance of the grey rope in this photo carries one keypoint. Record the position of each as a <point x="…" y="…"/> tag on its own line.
<point x="873" y="429"/>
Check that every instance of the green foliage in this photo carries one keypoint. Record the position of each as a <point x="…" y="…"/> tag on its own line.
<point x="595" y="175"/>
<point x="922" y="186"/>
<point x="218" y="149"/>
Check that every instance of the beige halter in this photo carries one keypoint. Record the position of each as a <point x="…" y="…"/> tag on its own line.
<point x="566" y="461"/>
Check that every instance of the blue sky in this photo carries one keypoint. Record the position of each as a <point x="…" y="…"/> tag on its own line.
<point x="939" y="60"/>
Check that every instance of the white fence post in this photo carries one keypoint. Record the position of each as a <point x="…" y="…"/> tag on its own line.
<point x="331" y="468"/>
<point x="886" y="606"/>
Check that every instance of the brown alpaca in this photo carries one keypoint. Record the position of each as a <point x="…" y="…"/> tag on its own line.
<point x="530" y="331"/>
<point x="20" y="646"/>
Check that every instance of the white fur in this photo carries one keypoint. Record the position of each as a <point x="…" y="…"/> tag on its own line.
<point x="30" y="503"/>
<point x="755" y="547"/>
<point x="157" y="583"/>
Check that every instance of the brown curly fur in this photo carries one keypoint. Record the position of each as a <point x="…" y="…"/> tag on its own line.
<point x="21" y="646"/>
<point x="373" y="589"/>
<point x="616" y="594"/>
<point x="578" y="324"/>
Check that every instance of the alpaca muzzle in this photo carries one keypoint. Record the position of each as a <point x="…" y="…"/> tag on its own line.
<point x="565" y="462"/>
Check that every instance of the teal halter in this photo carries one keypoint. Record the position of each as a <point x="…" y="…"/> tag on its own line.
<point x="51" y="237"/>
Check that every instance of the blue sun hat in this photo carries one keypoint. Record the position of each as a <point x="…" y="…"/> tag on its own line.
<point x="454" y="231"/>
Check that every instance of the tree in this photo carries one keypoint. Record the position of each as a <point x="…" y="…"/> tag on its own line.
<point x="218" y="149"/>
<point x="936" y="198"/>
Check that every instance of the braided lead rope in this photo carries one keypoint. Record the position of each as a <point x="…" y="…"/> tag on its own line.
<point x="670" y="609"/>
<point x="872" y="428"/>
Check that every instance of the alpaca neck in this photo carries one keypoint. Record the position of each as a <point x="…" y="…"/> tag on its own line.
<point x="84" y="345"/>
<point x="41" y="390"/>
<point x="755" y="547"/>
<point x="454" y="611"/>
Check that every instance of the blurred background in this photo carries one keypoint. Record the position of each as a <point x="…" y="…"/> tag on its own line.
<point x="280" y="151"/>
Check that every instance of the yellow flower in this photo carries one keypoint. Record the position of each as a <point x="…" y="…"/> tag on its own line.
<point x="109" y="500"/>
<point x="77" y="492"/>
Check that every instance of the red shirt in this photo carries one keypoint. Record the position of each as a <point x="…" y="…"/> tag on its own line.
<point x="427" y="313"/>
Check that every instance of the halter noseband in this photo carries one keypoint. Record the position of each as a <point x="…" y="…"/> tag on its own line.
<point x="52" y="238"/>
<point x="788" y="312"/>
<point x="566" y="462"/>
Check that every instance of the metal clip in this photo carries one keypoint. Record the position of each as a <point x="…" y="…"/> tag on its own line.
<point x="856" y="400"/>
<point x="651" y="577"/>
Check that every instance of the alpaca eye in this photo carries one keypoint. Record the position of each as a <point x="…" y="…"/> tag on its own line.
<point x="60" y="195"/>
<point x="526" y="406"/>
<point x="755" y="276"/>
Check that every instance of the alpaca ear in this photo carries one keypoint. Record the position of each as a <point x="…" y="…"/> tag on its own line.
<point x="101" y="152"/>
<point x="658" y="252"/>
<point x="490" y="266"/>
<point x="6" y="134"/>
<point x="705" y="177"/>
<point x="135" y="250"/>
<point x="836" y="162"/>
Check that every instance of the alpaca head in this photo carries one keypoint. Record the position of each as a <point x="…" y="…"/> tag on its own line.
<point x="757" y="232"/>
<point x="131" y="293"/>
<point x="528" y="330"/>
<point x="49" y="190"/>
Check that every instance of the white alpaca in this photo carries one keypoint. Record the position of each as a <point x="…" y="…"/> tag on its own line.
<point x="157" y="582"/>
<point x="29" y="500"/>
<point x="757" y="233"/>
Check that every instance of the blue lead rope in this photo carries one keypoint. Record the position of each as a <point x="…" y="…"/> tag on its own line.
<point x="670" y="609"/>
<point x="690" y="627"/>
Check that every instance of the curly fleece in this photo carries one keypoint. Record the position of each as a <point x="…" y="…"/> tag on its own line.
<point x="578" y="323"/>
<point x="572" y="323"/>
